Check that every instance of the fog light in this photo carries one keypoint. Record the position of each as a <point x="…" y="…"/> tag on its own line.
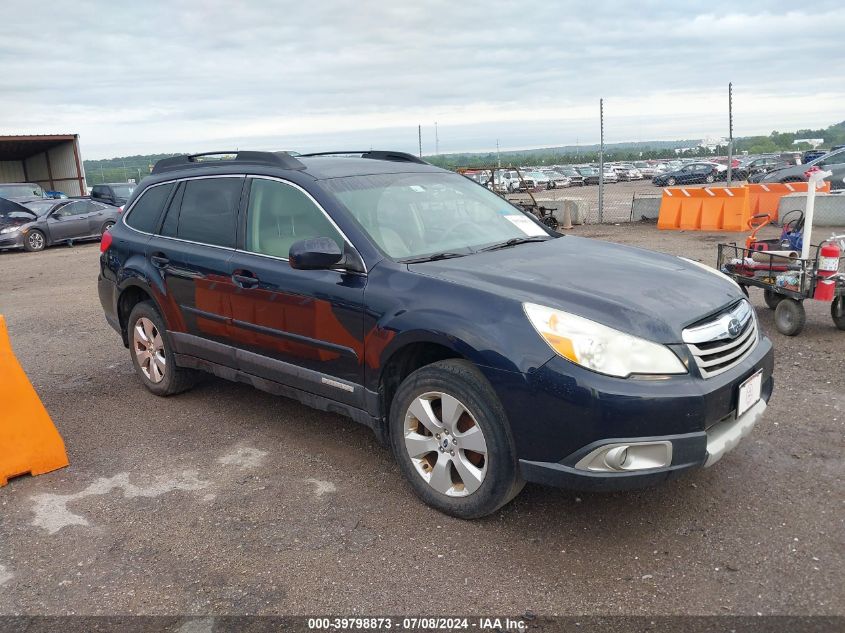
<point x="618" y="457"/>
<point x="615" y="457"/>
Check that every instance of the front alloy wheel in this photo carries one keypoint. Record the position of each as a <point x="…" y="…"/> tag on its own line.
<point x="450" y="436"/>
<point x="35" y="241"/>
<point x="445" y="444"/>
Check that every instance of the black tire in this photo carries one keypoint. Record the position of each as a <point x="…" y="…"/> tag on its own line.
<point x="551" y="222"/>
<point x="671" y="182"/>
<point x="460" y="379"/>
<point x="175" y="379"/>
<point x="34" y="241"/>
<point x="837" y="311"/>
<point x="106" y="227"/>
<point x="772" y="298"/>
<point x="790" y="317"/>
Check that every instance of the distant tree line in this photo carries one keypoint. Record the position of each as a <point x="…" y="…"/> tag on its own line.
<point x="128" y="167"/>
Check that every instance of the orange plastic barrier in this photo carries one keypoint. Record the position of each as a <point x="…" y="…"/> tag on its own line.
<point x="765" y="197"/>
<point x="29" y="443"/>
<point x="704" y="209"/>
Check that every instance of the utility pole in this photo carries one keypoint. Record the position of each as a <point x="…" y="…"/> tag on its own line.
<point x="419" y="138"/>
<point x="436" y="140"/>
<point x="730" y="132"/>
<point x="601" y="161"/>
<point x="498" y="157"/>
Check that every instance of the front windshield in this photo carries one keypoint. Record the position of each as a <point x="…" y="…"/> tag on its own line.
<point x="20" y="191"/>
<point x="40" y="208"/>
<point x="123" y="191"/>
<point x="412" y="215"/>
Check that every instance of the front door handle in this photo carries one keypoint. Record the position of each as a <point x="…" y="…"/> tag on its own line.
<point x="245" y="279"/>
<point x="159" y="261"/>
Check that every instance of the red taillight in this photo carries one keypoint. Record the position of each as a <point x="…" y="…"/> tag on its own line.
<point x="105" y="242"/>
<point x="120" y="209"/>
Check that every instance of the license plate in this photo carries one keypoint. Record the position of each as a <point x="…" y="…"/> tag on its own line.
<point x="749" y="393"/>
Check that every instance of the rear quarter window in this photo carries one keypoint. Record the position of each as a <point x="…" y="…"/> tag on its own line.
<point x="145" y="212"/>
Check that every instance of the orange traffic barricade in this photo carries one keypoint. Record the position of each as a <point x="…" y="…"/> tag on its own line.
<point x="765" y="197"/>
<point x="29" y="442"/>
<point x="704" y="209"/>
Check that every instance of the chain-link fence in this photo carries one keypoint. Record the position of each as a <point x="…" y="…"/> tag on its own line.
<point x="621" y="180"/>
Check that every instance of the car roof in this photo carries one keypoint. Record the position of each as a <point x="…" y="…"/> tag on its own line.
<point x="323" y="167"/>
<point x="317" y="166"/>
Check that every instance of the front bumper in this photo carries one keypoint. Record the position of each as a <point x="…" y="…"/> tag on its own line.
<point x="559" y="412"/>
<point x="11" y="240"/>
<point x="689" y="451"/>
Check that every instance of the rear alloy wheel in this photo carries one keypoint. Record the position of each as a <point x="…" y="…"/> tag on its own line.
<point x="710" y="178"/>
<point x="151" y="356"/>
<point x="449" y="434"/>
<point x="34" y="241"/>
<point x="790" y="317"/>
<point x="671" y="182"/>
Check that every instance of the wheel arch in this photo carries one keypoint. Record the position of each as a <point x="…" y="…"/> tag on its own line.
<point x="405" y="357"/>
<point x="128" y="297"/>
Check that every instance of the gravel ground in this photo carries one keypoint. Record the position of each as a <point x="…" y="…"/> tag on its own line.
<point x="226" y="500"/>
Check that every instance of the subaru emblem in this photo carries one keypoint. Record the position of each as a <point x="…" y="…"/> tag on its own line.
<point x="734" y="328"/>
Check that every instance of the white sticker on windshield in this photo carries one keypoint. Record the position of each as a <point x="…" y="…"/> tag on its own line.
<point x="526" y="225"/>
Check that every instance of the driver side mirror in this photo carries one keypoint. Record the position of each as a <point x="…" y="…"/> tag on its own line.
<point x="317" y="253"/>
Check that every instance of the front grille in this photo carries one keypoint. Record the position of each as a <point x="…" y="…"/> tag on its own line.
<point x="723" y="341"/>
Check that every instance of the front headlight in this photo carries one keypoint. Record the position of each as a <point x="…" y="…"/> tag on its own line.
<point x="10" y="229"/>
<point x="600" y="348"/>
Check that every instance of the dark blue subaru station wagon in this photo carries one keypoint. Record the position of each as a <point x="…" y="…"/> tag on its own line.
<point x="485" y="349"/>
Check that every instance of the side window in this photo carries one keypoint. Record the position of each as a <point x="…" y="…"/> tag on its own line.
<point x="75" y="208"/>
<point x="143" y="215"/>
<point x="209" y="210"/>
<point x="279" y="215"/>
<point x="97" y="191"/>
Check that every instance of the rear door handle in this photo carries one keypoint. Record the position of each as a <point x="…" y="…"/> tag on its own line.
<point x="245" y="279"/>
<point x="159" y="261"/>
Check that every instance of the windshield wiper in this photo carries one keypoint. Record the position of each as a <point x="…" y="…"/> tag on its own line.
<point x="432" y="258"/>
<point x="514" y="241"/>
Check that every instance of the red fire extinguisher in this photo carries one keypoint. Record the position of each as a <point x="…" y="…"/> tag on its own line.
<point x="828" y="267"/>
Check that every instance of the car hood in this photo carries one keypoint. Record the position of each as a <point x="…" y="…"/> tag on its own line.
<point x="647" y="294"/>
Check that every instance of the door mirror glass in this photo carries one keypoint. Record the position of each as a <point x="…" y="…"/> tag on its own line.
<point x="317" y="253"/>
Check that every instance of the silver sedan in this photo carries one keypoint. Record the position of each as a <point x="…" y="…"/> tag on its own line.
<point x="38" y="223"/>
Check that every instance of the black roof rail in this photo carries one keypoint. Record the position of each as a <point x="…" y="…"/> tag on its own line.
<point x="376" y="154"/>
<point x="273" y="159"/>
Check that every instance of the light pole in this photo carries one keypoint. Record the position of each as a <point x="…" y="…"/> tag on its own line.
<point x="730" y="132"/>
<point x="601" y="162"/>
<point x="436" y="140"/>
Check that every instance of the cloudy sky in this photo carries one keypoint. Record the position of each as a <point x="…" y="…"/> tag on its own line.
<point x="153" y="76"/>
